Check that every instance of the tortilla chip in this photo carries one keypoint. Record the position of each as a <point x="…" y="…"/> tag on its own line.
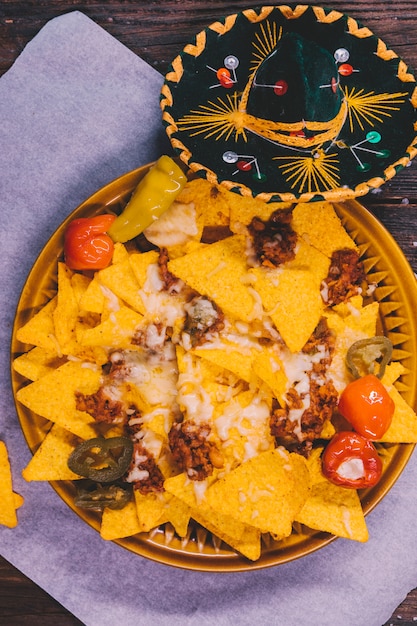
<point x="178" y="514"/>
<point x="119" y="523"/>
<point x="65" y="314"/>
<point x="244" y="208"/>
<point x="18" y="500"/>
<point x="243" y="538"/>
<point x="281" y="292"/>
<point x="268" y="367"/>
<point x="40" y="329"/>
<point x="93" y="298"/>
<point x="265" y="492"/>
<point x="50" y="461"/>
<point x="248" y="543"/>
<point x="118" y="330"/>
<point x="151" y="510"/>
<point x="336" y="510"/>
<point x="210" y="201"/>
<point x="36" y="363"/>
<point x="309" y="258"/>
<point x="403" y="428"/>
<point x="232" y="357"/>
<point x="140" y="264"/>
<point x="320" y="226"/>
<point x="121" y="281"/>
<point x="8" y="506"/>
<point x="216" y="271"/>
<point x="53" y="397"/>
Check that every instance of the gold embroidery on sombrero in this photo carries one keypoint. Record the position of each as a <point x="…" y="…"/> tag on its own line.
<point x="315" y="173"/>
<point x="403" y="74"/>
<point x="254" y="17"/>
<point x="358" y="31"/>
<point x="385" y="53"/>
<point x="293" y="14"/>
<point x="326" y="18"/>
<point x="220" y="28"/>
<point x="200" y="44"/>
<point x="226" y="119"/>
<point x="370" y="107"/>
<point x="219" y="120"/>
<point x="178" y="70"/>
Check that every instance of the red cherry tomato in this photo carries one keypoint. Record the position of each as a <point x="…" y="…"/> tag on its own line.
<point x="367" y="406"/>
<point x="351" y="461"/>
<point x="86" y="244"/>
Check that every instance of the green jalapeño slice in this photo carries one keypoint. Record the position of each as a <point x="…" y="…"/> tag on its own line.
<point x="102" y="460"/>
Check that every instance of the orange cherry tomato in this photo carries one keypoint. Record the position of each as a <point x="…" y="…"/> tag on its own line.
<point x="86" y="244"/>
<point x="351" y="461"/>
<point x="367" y="406"/>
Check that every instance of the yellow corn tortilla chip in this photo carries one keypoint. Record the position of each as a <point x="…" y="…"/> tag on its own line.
<point x="119" y="523"/>
<point x="93" y="298"/>
<point x="8" y="499"/>
<point x="117" y="330"/>
<point x="178" y="514"/>
<point x="36" y="363"/>
<point x="151" y="510"/>
<point x="309" y="258"/>
<point x="320" y="226"/>
<point x="65" y="314"/>
<point x="121" y="281"/>
<point x="40" y="329"/>
<point x="281" y="292"/>
<point x="248" y="543"/>
<point x="242" y="426"/>
<point x="244" y="208"/>
<point x="335" y="510"/>
<point x="80" y="284"/>
<point x="18" y="500"/>
<point x="231" y="357"/>
<point x="330" y="508"/>
<point x="403" y="428"/>
<point x="359" y="324"/>
<point x="245" y="539"/>
<point x="268" y="367"/>
<point x="210" y="201"/>
<point x="50" y="461"/>
<point x="216" y="272"/>
<point x="266" y="492"/>
<point x="120" y="254"/>
<point x="140" y="264"/>
<point x="53" y="397"/>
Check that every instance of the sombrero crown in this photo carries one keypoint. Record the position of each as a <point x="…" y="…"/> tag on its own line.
<point x="291" y="104"/>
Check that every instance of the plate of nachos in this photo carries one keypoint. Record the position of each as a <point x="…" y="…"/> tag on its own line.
<point x="181" y="399"/>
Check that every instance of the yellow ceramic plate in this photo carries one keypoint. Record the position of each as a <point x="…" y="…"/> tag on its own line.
<point x="397" y="295"/>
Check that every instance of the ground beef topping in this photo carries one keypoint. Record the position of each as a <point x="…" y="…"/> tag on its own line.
<point x="100" y="406"/>
<point x="202" y="316"/>
<point x="273" y="241"/>
<point x="170" y="281"/>
<point x="144" y="472"/>
<point x="191" y="450"/>
<point x="345" y="277"/>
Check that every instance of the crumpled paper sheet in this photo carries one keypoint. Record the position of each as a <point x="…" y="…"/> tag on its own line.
<point x="78" y="109"/>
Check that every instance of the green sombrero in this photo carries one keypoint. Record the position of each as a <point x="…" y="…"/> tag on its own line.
<point x="291" y="103"/>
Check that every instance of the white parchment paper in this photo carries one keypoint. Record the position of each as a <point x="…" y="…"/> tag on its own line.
<point x="78" y="109"/>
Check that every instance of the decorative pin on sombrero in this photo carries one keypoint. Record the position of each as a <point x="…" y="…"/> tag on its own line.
<point x="291" y="103"/>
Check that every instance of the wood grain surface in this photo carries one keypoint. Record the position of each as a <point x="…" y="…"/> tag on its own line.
<point x="157" y="31"/>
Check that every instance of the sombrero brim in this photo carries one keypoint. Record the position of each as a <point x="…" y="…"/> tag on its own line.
<point x="208" y="131"/>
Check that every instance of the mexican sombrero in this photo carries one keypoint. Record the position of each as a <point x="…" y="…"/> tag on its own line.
<point x="291" y="103"/>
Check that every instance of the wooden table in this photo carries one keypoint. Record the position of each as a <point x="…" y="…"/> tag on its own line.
<point x="157" y="31"/>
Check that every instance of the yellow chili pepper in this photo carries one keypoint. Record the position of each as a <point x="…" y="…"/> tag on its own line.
<point x="153" y="196"/>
